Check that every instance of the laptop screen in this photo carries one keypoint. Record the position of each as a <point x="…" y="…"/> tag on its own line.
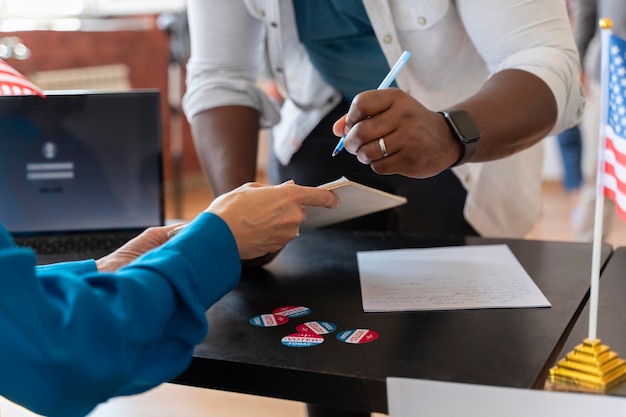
<point x="81" y="161"/>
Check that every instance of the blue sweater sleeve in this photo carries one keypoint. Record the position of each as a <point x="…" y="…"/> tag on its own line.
<point x="73" y="337"/>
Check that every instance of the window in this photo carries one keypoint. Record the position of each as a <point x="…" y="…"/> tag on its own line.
<point x="92" y="8"/>
<point x="38" y="8"/>
<point x="117" y="7"/>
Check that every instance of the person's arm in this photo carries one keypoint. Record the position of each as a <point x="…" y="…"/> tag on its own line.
<point x="74" y="336"/>
<point x="71" y="341"/>
<point x="419" y="142"/>
<point x="223" y="103"/>
<point x="226" y="140"/>
<point x="534" y="90"/>
<point x="513" y="110"/>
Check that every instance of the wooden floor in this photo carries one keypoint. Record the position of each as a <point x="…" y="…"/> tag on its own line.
<point x="170" y="400"/>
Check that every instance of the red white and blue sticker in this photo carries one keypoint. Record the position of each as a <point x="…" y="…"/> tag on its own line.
<point x="357" y="336"/>
<point x="299" y="340"/>
<point x="268" y="320"/>
<point x="316" y="327"/>
<point x="292" y="311"/>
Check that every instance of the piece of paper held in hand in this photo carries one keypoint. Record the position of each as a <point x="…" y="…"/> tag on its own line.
<point x="448" y="278"/>
<point x="356" y="200"/>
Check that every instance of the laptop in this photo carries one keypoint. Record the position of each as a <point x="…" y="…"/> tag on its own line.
<point x="80" y="171"/>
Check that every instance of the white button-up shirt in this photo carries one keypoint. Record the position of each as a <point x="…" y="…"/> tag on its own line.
<point x="456" y="46"/>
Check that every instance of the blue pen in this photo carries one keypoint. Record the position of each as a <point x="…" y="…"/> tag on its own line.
<point x="393" y="72"/>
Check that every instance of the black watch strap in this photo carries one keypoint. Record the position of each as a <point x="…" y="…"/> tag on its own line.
<point x="465" y="131"/>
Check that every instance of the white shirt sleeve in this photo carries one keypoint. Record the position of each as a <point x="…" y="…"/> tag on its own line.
<point x="226" y="59"/>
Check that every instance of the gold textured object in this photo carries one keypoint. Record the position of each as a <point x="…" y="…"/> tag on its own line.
<point x="605" y="23"/>
<point x="591" y="366"/>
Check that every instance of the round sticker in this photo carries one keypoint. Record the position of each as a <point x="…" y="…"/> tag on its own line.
<point x="268" y="320"/>
<point x="292" y="311"/>
<point x="302" y="340"/>
<point x="316" y="327"/>
<point x="357" y="336"/>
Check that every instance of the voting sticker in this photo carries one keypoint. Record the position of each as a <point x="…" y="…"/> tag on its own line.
<point x="316" y="327"/>
<point x="292" y="311"/>
<point x="357" y="336"/>
<point x="299" y="340"/>
<point x="268" y="320"/>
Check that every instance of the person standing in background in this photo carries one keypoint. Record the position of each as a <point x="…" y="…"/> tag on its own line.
<point x="585" y="16"/>
<point x="570" y="146"/>
<point x="510" y="68"/>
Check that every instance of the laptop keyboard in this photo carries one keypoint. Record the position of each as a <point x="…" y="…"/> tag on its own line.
<point x="99" y="243"/>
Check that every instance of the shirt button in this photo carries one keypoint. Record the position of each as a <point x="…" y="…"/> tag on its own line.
<point x="421" y="20"/>
<point x="274" y="24"/>
<point x="387" y="38"/>
<point x="261" y="13"/>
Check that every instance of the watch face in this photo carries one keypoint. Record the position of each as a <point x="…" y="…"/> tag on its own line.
<point x="463" y="123"/>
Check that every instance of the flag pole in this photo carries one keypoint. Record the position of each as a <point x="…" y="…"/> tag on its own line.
<point x="605" y="29"/>
<point x="592" y="366"/>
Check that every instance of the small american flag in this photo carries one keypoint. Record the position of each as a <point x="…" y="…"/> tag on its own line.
<point x="12" y="83"/>
<point x="615" y="126"/>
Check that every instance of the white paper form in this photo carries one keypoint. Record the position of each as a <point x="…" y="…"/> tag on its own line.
<point x="449" y="278"/>
<point x="415" y="398"/>
<point x="355" y="200"/>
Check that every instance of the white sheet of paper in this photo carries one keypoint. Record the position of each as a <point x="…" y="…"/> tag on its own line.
<point x="449" y="278"/>
<point x="355" y="200"/>
<point x="416" y="398"/>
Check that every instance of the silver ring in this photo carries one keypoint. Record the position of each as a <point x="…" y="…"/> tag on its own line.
<point x="383" y="148"/>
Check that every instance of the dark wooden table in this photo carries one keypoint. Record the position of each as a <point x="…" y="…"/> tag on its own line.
<point x="611" y="325"/>
<point x="501" y="347"/>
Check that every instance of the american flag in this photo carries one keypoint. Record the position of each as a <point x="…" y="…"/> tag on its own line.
<point x="615" y="126"/>
<point x="12" y="83"/>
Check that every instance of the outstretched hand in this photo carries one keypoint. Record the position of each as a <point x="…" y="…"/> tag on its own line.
<point x="263" y="218"/>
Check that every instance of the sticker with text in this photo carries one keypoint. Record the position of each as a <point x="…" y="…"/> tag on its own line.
<point x="268" y="320"/>
<point x="302" y="340"/>
<point x="357" y="336"/>
<point x="292" y="311"/>
<point x="316" y="327"/>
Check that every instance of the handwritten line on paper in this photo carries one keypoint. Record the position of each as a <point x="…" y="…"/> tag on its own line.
<point x="451" y="278"/>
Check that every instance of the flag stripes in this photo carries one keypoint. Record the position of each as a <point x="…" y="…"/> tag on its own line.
<point x="12" y="83"/>
<point x="614" y="176"/>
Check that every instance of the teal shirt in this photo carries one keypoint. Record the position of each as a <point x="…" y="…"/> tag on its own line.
<point x="73" y="338"/>
<point x="341" y="44"/>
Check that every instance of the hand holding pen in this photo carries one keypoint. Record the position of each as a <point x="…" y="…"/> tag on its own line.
<point x="384" y="84"/>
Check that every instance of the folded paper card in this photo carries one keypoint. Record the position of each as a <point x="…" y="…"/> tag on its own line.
<point x="355" y="200"/>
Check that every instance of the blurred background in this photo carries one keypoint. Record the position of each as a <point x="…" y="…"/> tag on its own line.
<point x="124" y="44"/>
